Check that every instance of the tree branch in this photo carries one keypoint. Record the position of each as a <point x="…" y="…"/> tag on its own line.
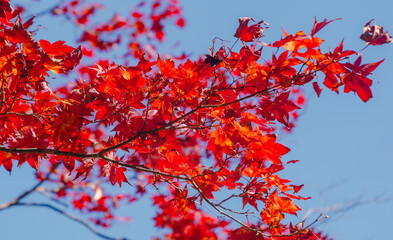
<point x="28" y="192"/>
<point x="71" y="217"/>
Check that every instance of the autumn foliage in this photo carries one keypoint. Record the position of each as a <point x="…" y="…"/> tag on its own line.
<point x="202" y="131"/>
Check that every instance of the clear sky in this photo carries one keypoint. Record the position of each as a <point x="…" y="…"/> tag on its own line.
<point x="345" y="146"/>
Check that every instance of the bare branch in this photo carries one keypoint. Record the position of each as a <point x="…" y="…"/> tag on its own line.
<point x="28" y="192"/>
<point x="345" y="207"/>
<point x="72" y="217"/>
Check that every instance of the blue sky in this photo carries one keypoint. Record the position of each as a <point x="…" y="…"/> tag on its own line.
<point x="345" y="146"/>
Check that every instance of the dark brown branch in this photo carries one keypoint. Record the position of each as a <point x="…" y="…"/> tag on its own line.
<point x="49" y="151"/>
<point x="144" y="169"/>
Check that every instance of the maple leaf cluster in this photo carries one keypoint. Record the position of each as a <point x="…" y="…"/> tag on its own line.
<point x="203" y="131"/>
<point x="144" y="24"/>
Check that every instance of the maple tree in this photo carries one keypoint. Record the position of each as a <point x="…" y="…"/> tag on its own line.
<point x="201" y="131"/>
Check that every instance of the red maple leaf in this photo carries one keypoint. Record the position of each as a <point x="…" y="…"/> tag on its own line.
<point x="6" y="161"/>
<point x="56" y="48"/>
<point x="319" y="25"/>
<point x="374" y="35"/>
<point x="278" y="109"/>
<point x="18" y="34"/>
<point x="72" y="59"/>
<point x="317" y="88"/>
<point x="284" y="204"/>
<point x="356" y="79"/>
<point x="249" y="33"/>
